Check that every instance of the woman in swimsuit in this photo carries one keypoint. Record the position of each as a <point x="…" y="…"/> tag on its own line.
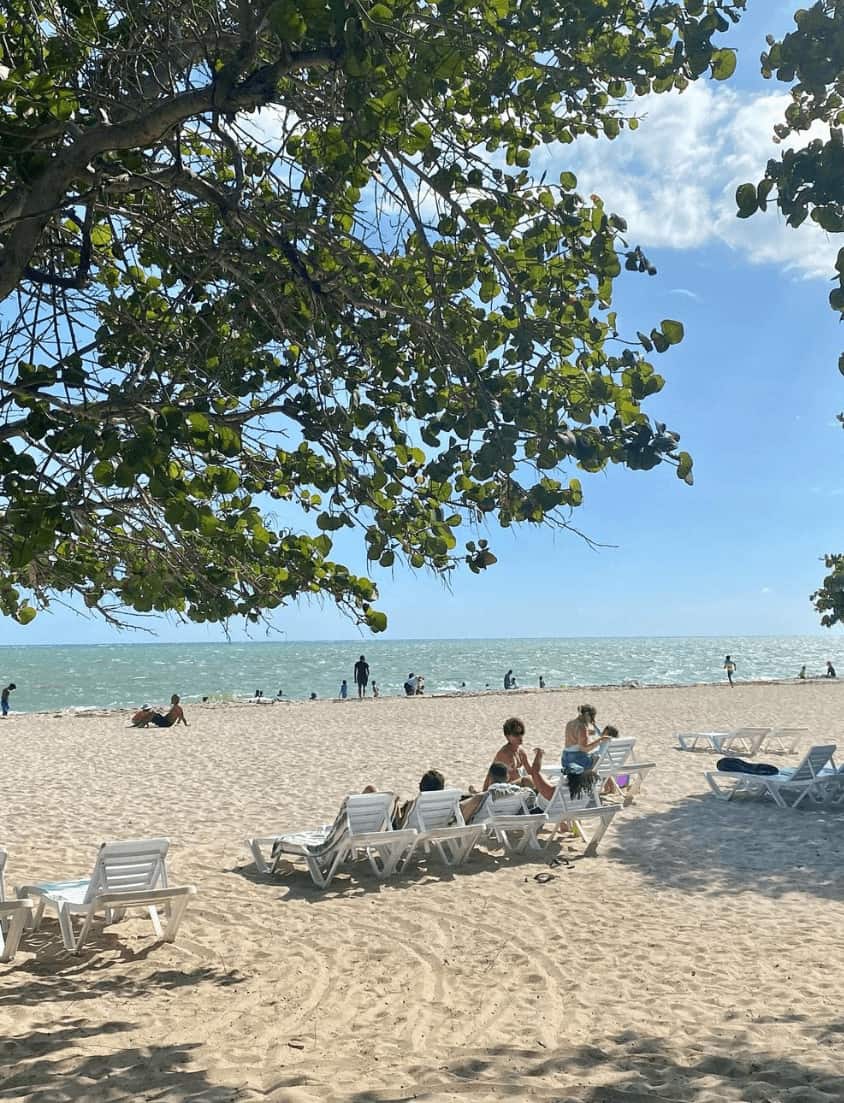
<point x="578" y="743"/>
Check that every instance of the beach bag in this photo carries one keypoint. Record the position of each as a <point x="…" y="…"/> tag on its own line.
<point x="739" y="766"/>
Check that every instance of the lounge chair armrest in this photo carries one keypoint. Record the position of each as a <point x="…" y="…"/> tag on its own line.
<point x="144" y="897"/>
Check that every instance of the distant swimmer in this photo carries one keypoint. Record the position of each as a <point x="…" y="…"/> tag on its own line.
<point x="4" y="698"/>
<point x="312" y="697"/>
<point x="361" y="675"/>
<point x="729" y="668"/>
<point x="830" y="670"/>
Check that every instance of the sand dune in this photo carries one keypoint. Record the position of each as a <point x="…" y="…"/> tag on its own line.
<point x="698" y="958"/>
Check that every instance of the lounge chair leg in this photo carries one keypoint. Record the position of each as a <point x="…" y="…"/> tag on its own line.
<point x="177" y="910"/>
<point x="66" y="928"/>
<point x="9" y="944"/>
<point x="156" y="922"/>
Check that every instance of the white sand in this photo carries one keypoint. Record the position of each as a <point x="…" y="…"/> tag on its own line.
<point x="697" y="958"/>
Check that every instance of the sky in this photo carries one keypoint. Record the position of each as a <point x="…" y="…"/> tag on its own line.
<point x="753" y="390"/>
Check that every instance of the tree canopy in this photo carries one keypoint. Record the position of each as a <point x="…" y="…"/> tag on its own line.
<point x="808" y="181"/>
<point x="275" y="268"/>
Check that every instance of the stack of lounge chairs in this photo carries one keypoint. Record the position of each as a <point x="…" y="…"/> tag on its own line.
<point x="744" y="741"/>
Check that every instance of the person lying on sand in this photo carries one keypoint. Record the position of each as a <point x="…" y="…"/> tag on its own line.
<point x="146" y="716"/>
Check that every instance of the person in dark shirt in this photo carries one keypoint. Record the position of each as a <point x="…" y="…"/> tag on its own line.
<point x="830" y="670"/>
<point x="4" y="698"/>
<point x="361" y="675"/>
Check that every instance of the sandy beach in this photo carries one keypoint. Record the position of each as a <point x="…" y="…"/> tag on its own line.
<point x="696" y="959"/>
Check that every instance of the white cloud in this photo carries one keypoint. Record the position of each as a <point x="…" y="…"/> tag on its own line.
<point x="687" y="293"/>
<point x="674" y="178"/>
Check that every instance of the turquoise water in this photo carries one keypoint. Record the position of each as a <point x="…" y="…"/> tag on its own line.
<point x="129" y="675"/>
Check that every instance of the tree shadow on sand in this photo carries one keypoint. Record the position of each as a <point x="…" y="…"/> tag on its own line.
<point x="44" y="1065"/>
<point x="702" y="844"/>
<point x="36" y="982"/>
<point x="626" y="1068"/>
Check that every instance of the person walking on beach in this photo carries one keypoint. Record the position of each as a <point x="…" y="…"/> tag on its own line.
<point x="344" y="690"/>
<point x="541" y="682"/>
<point x="830" y="670"/>
<point x="730" y="668"/>
<point x="361" y="676"/>
<point x="4" y="698"/>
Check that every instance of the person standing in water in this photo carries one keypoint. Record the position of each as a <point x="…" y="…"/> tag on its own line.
<point x="730" y="668"/>
<point x="344" y="690"/>
<point x="361" y="675"/>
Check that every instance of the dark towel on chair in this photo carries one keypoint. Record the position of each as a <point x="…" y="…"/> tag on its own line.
<point x="739" y="766"/>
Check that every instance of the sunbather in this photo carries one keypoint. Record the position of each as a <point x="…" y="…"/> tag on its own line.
<point x="430" y="782"/>
<point x="146" y="716"/>
<point x="578" y="743"/>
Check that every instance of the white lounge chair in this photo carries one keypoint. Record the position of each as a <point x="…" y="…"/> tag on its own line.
<point x="508" y="820"/>
<point x="784" y="740"/>
<point x="815" y="777"/>
<point x="741" y="740"/>
<point x="439" y="821"/>
<point x="585" y="809"/>
<point x="126" y="875"/>
<point x="615" y="757"/>
<point x="363" y="827"/>
<point x="14" y="916"/>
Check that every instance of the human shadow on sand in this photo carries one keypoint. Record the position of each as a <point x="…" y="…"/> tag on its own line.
<point x="702" y="844"/>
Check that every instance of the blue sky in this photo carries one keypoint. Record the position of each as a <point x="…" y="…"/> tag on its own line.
<point x="753" y="390"/>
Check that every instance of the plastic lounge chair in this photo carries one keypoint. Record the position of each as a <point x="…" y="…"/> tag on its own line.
<point x="363" y="828"/>
<point x="615" y="757"/>
<point x="439" y="821"/>
<point x="562" y="808"/>
<point x="14" y="916"/>
<point x="744" y="740"/>
<point x="784" y="740"/>
<point x="508" y="820"/>
<point x="815" y="777"/>
<point x="126" y="874"/>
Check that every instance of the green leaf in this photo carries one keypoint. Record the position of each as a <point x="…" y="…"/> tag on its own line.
<point x="723" y="64"/>
<point x="672" y="330"/>
<point x="747" y="201"/>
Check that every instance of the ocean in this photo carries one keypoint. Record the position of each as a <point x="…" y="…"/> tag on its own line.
<point x="128" y="675"/>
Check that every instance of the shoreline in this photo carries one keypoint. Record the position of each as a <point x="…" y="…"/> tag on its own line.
<point x="222" y="703"/>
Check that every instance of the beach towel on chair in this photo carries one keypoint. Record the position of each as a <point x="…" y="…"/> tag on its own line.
<point x="739" y="766"/>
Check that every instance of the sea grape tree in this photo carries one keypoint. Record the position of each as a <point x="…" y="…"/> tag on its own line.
<point x="808" y="181"/>
<point x="270" y="269"/>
